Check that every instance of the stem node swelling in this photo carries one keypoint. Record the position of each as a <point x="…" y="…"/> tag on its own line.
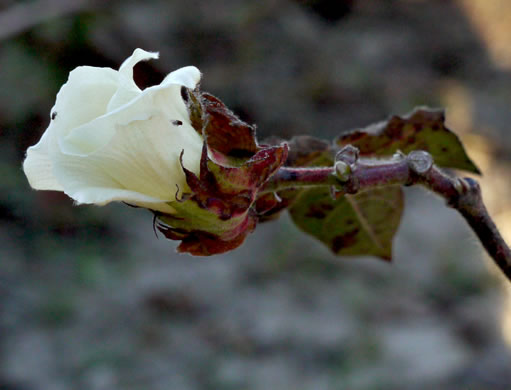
<point x="352" y="174"/>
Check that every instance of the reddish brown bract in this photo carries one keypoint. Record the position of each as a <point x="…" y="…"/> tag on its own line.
<point x="218" y="211"/>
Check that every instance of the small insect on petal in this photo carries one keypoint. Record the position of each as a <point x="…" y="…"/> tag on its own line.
<point x="144" y="129"/>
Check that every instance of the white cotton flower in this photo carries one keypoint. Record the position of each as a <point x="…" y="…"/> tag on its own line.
<point x="110" y="141"/>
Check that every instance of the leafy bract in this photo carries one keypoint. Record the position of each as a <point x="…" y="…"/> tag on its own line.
<point x="217" y="210"/>
<point x="230" y="140"/>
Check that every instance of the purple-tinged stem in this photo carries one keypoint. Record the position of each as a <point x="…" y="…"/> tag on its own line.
<point x="290" y="177"/>
<point x="464" y="195"/>
<point x="362" y="175"/>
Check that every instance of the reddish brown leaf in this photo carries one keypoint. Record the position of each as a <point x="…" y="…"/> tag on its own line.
<point x="422" y="129"/>
<point x="230" y="140"/>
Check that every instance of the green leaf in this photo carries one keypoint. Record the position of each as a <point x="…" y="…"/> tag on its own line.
<point x="361" y="224"/>
<point x="422" y="129"/>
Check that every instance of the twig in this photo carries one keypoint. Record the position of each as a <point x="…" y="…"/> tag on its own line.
<point x="470" y="205"/>
<point x="352" y="175"/>
<point x="465" y="196"/>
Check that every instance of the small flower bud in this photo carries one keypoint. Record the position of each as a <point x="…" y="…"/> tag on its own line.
<point x="348" y="154"/>
<point x="342" y="171"/>
<point x="420" y="161"/>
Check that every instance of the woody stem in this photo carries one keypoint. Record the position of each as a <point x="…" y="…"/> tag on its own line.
<point x="350" y="177"/>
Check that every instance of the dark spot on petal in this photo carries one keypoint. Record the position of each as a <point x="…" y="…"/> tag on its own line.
<point x="53" y="115"/>
<point x="184" y="94"/>
<point x="176" y="122"/>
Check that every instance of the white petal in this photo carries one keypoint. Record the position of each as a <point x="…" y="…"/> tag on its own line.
<point x="188" y="76"/>
<point x="95" y="86"/>
<point x="38" y="167"/>
<point x="142" y="156"/>
<point x="127" y="89"/>
<point x="124" y="94"/>
<point x="164" y="98"/>
<point x="88" y="138"/>
<point x="83" y="97"/>
<point x="126" y="69"/>
<point x="88" y="182"/>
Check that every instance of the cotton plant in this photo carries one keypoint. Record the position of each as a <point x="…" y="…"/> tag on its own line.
<point x="182" y="154"/>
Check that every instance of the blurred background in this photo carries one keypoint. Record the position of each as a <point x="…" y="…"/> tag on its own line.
<point x="89" y="297"/>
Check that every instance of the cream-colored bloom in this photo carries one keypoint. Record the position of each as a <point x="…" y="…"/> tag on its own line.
<point x="110" y="141"/>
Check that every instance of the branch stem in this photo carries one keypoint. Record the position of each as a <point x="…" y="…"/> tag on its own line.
<point x="464" y="195"/>
<point x="288" y="177"/>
